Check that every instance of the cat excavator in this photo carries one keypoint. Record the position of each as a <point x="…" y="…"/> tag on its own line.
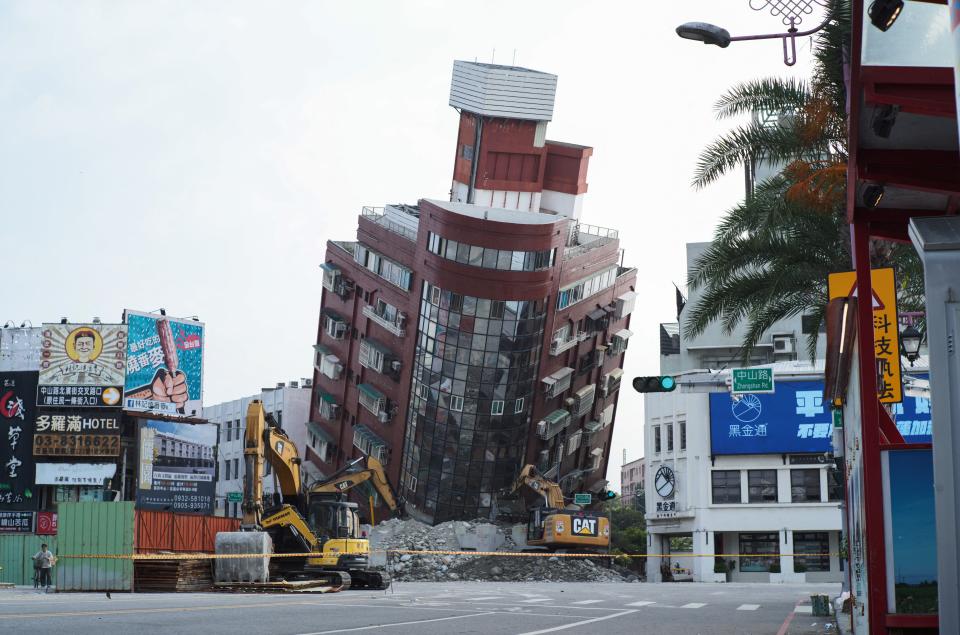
<point x="319" y="520"/>
<point x="555" y="527"/>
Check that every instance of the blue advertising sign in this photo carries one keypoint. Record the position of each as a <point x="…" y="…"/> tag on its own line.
<point x="794" y="420"/>
<point x="164" y="364"/>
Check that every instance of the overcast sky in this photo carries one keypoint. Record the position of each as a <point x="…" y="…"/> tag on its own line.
<point x="198" y="156"/>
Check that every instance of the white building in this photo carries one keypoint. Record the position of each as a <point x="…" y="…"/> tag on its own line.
<point x="741" y="476"/>
<point x="632" y="482"/>
<point x="290" y="406"/>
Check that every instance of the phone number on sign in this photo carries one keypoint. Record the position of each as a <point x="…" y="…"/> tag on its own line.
<point x="76" y="445"/>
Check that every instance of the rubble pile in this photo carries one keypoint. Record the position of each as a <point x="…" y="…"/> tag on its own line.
<point x="412" y="535"/>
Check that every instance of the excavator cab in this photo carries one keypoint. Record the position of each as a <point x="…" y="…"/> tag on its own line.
<point x="333" y="519"/>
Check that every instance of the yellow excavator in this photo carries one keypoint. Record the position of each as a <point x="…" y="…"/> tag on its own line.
<point x="554" y="526"/>
<point x="318" y="521"/>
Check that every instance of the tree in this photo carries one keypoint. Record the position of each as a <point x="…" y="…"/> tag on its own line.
<point x="771" y="254"/>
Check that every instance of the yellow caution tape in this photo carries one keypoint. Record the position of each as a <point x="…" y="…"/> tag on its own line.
<point x="497" y="554"/>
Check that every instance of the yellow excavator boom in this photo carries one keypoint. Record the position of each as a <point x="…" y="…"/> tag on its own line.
<point x="551" y="492"/>
<point x="374" y="473"/>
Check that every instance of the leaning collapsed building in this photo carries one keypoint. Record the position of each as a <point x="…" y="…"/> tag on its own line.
<point x="460" y="339"/>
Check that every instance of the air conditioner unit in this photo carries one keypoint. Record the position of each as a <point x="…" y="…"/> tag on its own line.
<point x="334" y="410"/>
<point x="783" y="344"/>
<point x="337" y="371"/>
<point x="384" y="416"/>
<point x="395" y="365"/>
<point x="542" y="429"/>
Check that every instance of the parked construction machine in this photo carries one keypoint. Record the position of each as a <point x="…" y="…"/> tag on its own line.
<point x="318" y="522"/>
<point x="555" y="526"/>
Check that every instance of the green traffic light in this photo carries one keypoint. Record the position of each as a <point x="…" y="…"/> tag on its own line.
<point x="668" y="383"/>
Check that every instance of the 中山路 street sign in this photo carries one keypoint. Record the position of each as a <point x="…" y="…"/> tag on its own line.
<point x="751" y="380"/>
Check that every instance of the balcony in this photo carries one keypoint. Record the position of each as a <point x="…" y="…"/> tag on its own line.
<point x="395" y="327"/>
<point x="377" y="215"/>
<point x="559" y="346"/>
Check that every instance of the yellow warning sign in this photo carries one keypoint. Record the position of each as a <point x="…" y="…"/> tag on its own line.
<point x="886" y="334"/>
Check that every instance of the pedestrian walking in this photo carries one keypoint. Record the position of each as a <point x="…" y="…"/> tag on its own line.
<point x="44" y="561"/>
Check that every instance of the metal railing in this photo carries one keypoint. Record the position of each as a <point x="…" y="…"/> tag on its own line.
<point x="558" y="347"/>
<point x="391" y="326"/>
<point x="376" y="215"/>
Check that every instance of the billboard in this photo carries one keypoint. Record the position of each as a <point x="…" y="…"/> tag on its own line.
<point x="79" y="432"/>
<point x="19" y="348"/>
<point x="177" y="466"/>
<point x="795" y="419"/>
<point x="164" y="365"/>
<point x="82" y="365"/>
<point x="17" y="395"/>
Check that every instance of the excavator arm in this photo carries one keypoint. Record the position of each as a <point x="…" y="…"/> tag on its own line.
<point x="372" y="473"/>
<point x="551" y="492"/>
<point x="265" y="441"/>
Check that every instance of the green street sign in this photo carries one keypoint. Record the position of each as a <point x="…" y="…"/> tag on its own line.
<point x="582" y="499"/>
<point x="234" y="497"/>
<point x="751" y="380"/>
<point x="838" y="418"/>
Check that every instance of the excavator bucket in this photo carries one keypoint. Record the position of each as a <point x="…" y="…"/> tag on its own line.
<point x="243" y="569"/>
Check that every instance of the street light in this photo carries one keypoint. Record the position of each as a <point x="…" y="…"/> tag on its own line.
<point x="705" y="32"/>
<point x="792" y="16"/>
<point x="910" y="339"/>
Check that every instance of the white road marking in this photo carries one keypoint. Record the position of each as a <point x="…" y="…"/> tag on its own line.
<point x="536" y="600"/>
<point x="485" y="597"/>
<point x="393" y="624"/>
<point x="587" y="602"/>
<point x="641" y="603"/>
<point x="580" y="623"/>
<point x="803" y="609"/>
<point x="694" y="605"/>
<point x="748" y="607"/>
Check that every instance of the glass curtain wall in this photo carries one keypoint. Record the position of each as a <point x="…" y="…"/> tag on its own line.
<point x="474" y="376"/>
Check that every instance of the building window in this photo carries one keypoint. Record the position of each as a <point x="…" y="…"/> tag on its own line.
<point x="726" y="486"/>
<point x="656" y="439"/>
<point x="669" y="428"/>
<point x="816" y="544"/>
<point x="805" y="486"/>
<point x="226" y="470"/>
<point x="585" y="288"/>
<point x="758" y="551"/>
<point x="518" y="406"/>
<point x="683" y="435"/>
<point x="762" y="486"/>
<point x="456" y="403"/>
<point x="496" y="407"/>
<point x="228" y="430"/>
<point x="236" y="468"/>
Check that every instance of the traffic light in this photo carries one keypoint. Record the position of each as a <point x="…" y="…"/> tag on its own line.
<point x="607" y="495"/>
<point x="664" y="383"/>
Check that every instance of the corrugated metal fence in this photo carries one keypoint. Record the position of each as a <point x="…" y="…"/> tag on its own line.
<point x="95" y="528"/>
<point x="107" y="529"/>
<point x="16" y="551"/>
<point x="166" y="531"/>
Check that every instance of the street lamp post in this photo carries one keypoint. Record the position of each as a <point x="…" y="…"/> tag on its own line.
<point x="791" y="13"/>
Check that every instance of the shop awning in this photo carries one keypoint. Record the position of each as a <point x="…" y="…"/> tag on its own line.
<point x="329" y="267"/>
<point x="370" y="392"/>
<point x="320" y="433"/>
<point x="320" y="348"/>
<point x="325" y="396"/>
<point x="623" y="334"/>
<point x="92" y="474"/>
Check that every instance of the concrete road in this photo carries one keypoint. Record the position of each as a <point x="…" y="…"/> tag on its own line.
<point x="433" y="608"/>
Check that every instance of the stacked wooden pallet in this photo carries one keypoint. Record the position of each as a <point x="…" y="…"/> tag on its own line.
<point x="172" y="575"/>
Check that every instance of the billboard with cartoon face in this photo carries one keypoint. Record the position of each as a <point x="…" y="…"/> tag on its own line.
<point x="82" y="365"/>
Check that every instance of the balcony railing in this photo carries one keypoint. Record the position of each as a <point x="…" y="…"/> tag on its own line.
<point x="557" y="347"/>
<point x="391" y="326"/>
<point x="376" y="215"/>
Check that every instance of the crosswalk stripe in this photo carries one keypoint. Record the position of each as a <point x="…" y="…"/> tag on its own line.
<point x="748" y="607"/>
<point x="587" y="602"/>
<point x="537" y="600"/>
<point x="641" y="603"/>
<point x="694" y="605"/>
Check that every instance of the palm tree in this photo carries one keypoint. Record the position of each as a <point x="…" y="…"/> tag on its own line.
<point x="771" y="254"/>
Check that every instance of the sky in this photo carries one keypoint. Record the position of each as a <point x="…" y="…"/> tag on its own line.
<point x="198" y="156"/>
